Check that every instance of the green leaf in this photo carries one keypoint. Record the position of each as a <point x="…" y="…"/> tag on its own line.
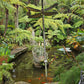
<point x="49" y="36"/>
<point x="78" y="24"/>
<point x="60" y="37"/>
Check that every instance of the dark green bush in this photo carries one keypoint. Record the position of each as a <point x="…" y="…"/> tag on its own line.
<point x="80" y="58"/>
<point x="72" y="76"/>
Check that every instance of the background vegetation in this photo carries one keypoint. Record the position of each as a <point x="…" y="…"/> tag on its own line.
<point x="64" y="28"/>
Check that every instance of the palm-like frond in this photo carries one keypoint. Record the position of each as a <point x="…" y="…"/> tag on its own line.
<point x="17" y="2"/>
<point x="54" y="24"/>
<point x="7" y="5"/>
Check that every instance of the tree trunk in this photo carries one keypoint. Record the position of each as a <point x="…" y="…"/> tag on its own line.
<point x="6" y="23"/>
<point x="28" y="13"/>
<point x="16" y="17"/>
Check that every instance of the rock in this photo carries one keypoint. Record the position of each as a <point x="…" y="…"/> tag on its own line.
<point x="21" y="82"/>
<point x="52" y="83"/>
<point x="19" y="51"/>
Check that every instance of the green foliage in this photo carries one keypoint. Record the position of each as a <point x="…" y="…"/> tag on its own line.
<point x="78" y="9"/>
<point x="77" y="20"/>
<point x="4" y="70"/>
<point x="2" y="28"/>
<point x="4" y="51"/>
<point x="18" y="36"/>
<point x="39" y="39"/>
<point x="7" y="4"/>
<point x="61" y="15"/>
<point x="24" y="19"/>
<point x="78" y="24"/>
<point x="80" y="37"/>
<point x="58" y="72"/>
<point x="80" y="58"/>
<point x="54" y="24"/>
<point x="76" y="37"/>
<point x="6" y="66"/>
<point x="55" y="28"/>
<point x="5" y="56"/>
<point x="72" y="76"/>
<point x="33" y="6"/>
<point x="18" y="2"/>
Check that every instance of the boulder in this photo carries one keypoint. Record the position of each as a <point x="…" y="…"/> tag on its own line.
<point x="21" y="82"/>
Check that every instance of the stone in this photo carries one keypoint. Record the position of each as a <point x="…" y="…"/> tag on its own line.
<point x="21" y="82"/>
<point x="52" y="83"/>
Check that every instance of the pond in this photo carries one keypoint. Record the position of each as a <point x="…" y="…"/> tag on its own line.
<point x="24" y="70"/>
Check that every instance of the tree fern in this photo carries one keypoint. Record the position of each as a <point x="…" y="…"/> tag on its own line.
<point x="54" y="28"/>
<point x="7" y="5"/>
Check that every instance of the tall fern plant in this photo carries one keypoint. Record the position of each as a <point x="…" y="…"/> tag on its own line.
<point x="55" y="29"/>
<point x="18" y="36"/>
<point x="71" y="12"/>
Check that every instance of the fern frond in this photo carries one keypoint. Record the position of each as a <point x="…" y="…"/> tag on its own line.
<point x="74" y="7"/>
<point x="74" y="16"/>
<point x="78" y="2"/>
<point x="78" y="24"/>
<point x="61" y="15"/>
<point x="25" y="19"/>
<point x="8" y="6"/>
<point x="63" y="5"/>
<point x="65" y="26"/>
<point x="18" y="36"/>
<point x="54" y="24"/>
<point x="33" y="6"/>
<point x="18" y="2"/>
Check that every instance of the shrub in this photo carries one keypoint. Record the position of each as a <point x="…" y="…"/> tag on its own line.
<point x="72" y="76"/>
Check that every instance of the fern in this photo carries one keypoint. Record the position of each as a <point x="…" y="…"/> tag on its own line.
<point x="34" y="7"/>
<point x="65" y="26"/>
<point x="18" y="2"/>
<point x="78" y="24"/>
<point x="54" y="24"/>
<point x="52" y="33"/>
<point x="18" y="36"/>
<point x="61" y="15"/>
<point x="76" y="7"/>
<point x="63" y="5"/>
<point x="25" y="19"/>
<point x="78" y="2"/>
<point x="4" y="70"/>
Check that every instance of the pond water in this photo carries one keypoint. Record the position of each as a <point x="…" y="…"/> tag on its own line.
<point x="24" y="70"/>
